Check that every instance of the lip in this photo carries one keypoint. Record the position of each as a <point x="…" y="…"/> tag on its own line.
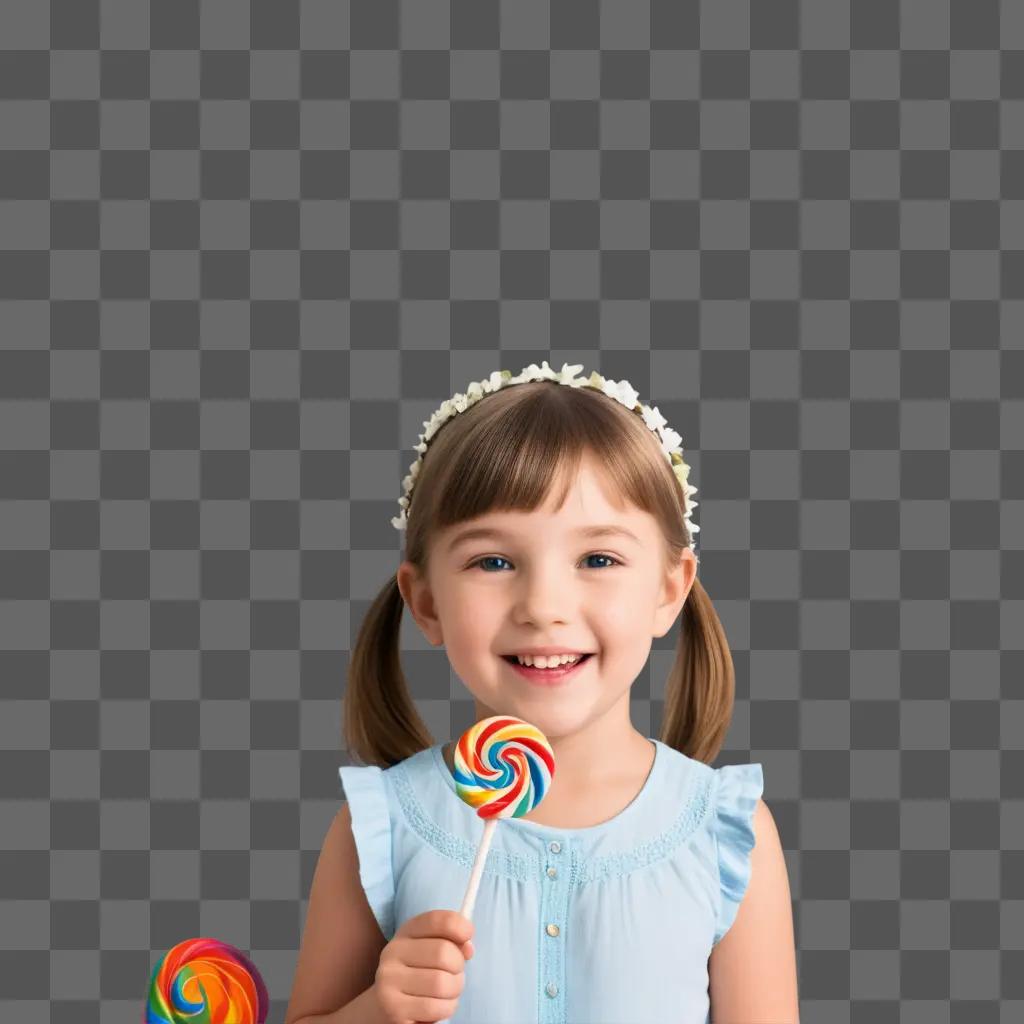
<point x="549" y="650"/>
<point x="548" y="676"/>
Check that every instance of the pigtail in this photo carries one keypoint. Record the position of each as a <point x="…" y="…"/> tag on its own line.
<point x="380" y="723"/>
<point x="700" y="689"/>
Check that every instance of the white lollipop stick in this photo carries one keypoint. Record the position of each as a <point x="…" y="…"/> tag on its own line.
<point x="478" y="868"/>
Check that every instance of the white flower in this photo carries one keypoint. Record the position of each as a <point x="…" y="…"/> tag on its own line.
<point x="670" y="439"/>
<point x="653" y="418"/>
<point x="624" y="393"/>
<point x="531" y="372"/>
<point x="568" y="373"/>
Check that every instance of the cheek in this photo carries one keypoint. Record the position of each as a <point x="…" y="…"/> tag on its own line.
<point x="477" y="616"/>
<point x="470" y="630"/>
<point x="621" y="620"/>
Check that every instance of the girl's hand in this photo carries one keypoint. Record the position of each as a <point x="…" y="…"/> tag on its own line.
<point x="422" y="969"/>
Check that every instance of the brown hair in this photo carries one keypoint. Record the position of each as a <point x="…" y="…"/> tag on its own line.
<point x="505" y="452"/>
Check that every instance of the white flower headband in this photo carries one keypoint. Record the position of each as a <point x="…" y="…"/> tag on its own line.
<point x="622" y="391"/>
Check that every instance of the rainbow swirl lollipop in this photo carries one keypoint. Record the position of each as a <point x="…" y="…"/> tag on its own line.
<point x="503" y="767"/>
<point x="206" y="981"/>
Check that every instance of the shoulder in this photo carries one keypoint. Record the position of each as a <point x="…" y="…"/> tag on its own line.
<point x="752" y="970"/>
<point x="768" y="887"/>
<point x="765" y="830"/>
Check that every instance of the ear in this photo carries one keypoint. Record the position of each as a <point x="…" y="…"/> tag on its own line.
<point x="419" y="599"/>
<point x="674" y="591"/>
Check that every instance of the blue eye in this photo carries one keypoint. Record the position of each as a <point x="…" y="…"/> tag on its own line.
<point x="498" y="558"/>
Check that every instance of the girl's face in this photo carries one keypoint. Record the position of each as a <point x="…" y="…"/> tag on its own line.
<point x="540" y="580"/>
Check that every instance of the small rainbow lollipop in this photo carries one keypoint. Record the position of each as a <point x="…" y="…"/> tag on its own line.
<point x="503" y="769"/>
<point x="206" y="981"/>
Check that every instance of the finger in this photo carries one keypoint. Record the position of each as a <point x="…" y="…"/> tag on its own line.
<point x="434" y="954"/>
<point x="429" y="1011"/>
<point x="446" y="924"/>
<point x="427" y="983"/>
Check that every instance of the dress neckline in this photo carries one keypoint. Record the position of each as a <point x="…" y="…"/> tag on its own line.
<point x="630" y="810"/>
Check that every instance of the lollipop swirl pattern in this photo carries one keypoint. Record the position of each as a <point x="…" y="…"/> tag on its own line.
<point x="206" y="981"/>
<point x="503" y="767"/>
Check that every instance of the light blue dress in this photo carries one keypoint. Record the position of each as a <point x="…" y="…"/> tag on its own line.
<point x="611" y="924"/>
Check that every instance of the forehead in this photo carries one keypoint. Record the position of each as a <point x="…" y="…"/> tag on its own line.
<point x="590" y="510"/>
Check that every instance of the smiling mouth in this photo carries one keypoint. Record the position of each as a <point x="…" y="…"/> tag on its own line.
<point x="513" y="660"/>
<point x="547" y="676"/>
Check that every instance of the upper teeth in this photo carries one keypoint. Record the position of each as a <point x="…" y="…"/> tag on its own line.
<point x="540" y="661"/>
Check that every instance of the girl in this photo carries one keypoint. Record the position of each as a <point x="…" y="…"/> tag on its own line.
<point x="550" y="523"/>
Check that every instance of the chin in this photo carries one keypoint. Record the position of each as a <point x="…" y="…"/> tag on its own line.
<point x="554" y="726"/>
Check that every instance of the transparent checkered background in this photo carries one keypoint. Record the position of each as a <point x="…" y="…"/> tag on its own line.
<point x="247" y="249"/>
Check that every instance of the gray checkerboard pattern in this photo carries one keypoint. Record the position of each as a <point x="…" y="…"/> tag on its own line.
<point x="247" y="248"/>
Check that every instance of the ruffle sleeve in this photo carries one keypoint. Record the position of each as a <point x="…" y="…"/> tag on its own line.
<point x="739" y="787"/>
<point x="371" y="829"/>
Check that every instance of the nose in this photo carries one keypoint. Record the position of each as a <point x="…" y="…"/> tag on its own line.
<point x="545" y="594"/>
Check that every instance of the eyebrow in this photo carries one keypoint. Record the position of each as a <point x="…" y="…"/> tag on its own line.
<point x="482" y="532"/>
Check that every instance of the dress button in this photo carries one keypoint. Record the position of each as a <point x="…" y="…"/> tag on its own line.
<point x="552" y="989"/>
<point x="552" y="930"/>
<point x="552" y="872"/>
<point x="555" y="847"/>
